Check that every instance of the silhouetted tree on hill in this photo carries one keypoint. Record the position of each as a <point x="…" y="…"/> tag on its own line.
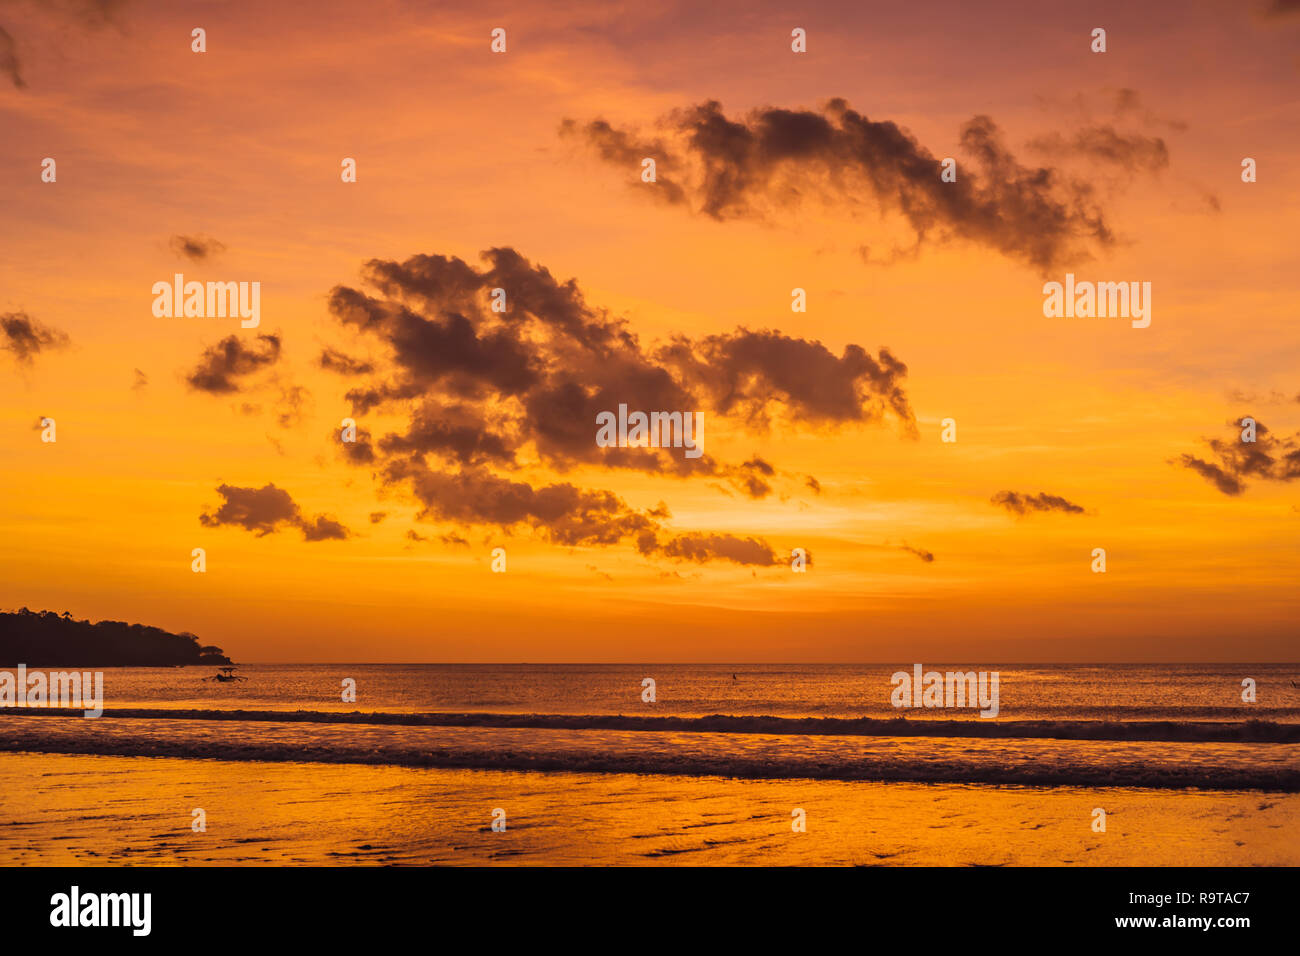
<point x="48" y="639"/>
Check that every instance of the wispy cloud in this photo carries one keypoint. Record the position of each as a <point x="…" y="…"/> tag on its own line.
<point x="1019" y="503"/>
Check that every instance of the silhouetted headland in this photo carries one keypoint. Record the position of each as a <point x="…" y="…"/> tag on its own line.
<point x="48" y="639"/>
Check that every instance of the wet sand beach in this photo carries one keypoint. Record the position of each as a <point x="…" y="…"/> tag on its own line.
<point x="87" y="810"/>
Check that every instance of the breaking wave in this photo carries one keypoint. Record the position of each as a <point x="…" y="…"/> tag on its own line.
<point x="1241" y="731"/>
<point x="1085" y="754"/>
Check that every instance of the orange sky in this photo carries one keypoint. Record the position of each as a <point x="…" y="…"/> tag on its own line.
<point x="459" y="151"/>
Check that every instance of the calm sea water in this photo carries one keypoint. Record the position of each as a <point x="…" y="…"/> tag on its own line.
<point x="1179" y="692"/>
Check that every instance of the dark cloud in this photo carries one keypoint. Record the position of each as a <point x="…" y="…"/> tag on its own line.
<point x="1023" y="504"/>
<point x="562" y="512"/>
<point x="773" y="158"/>
<point x="230" y="359"/>
<point x="1228" y="484"/>
<point x="27" y="338"/>
<point x="748" y="372"/>
<point x="196" y="248"/>
<point x="750" y="477"/>
<point x="322" y="528"/>
<point x="377" y="516"/>
<point x="702" y="548"/>
<point x="454" y="431"/>
<point x="1267" y="458"/>
<point x="335" y="361"/>
<point x="361" y="451"/>
<point x="268" y="509"/>
<point x="484" y="393"/>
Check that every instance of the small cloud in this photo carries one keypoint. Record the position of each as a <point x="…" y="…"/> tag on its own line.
<point x="323" y="528"/>
<point x="1023" y="504"/>
<point x="333" y="360"/>
<point x="266" y="510"/>
<point x="27" y="338"/>
<point x="290" y="408"/>
<point x="141" y="380"/>
<point x="926" y="556"/>
<point x="702" y="548"/>
<point x="196" y="248"/>
<point x="230" y="359"/>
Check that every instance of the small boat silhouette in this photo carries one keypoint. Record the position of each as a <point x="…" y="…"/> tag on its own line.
<point x="225" y="675"/>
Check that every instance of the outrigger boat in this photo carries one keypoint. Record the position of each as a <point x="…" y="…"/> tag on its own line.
<point x="226" y="675"/>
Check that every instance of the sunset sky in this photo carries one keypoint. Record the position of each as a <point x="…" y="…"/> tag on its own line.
<point x="776" y="170"/>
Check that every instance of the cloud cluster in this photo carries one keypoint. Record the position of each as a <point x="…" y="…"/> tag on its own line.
<point x="1022" y="504"/>
<point x="486" y="395"/>
<point x="1267" y="458"/>
<point x="268" y="509"/>
<point x="772" y="158"/>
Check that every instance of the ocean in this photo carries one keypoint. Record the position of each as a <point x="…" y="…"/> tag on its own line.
<point x="1114" y="692"/>
<point x="1166" y="738"/>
